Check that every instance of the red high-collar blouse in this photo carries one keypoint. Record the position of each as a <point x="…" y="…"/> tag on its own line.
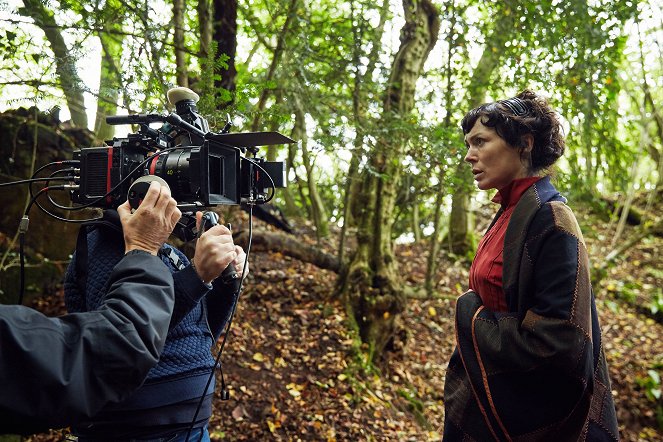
<point x="486" y="270"/>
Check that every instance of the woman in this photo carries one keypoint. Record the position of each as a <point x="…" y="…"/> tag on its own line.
<point x="528" y="363"/>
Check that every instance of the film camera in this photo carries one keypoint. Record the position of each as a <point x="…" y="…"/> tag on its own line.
<point x="202" y="168"/>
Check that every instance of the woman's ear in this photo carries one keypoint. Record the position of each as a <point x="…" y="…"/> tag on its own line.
<point x="527" y="143"/>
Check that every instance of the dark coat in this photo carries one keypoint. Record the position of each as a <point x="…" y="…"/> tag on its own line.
<point x="537" y="372"/>
<point x="171" y="392"/>
<point x="55" y="372"/>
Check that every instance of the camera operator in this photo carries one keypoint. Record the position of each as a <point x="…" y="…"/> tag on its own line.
<point x="163" y="408"/>
<point x="57" y="372"/>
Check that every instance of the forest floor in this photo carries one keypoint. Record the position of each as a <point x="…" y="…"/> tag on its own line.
<point x="295" y="372"/>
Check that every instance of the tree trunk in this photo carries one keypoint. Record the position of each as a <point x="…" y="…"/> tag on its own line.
<point x="371" y="286"/>
<point x="110" y="77"/>
<point x="288" y="245"/>
<point x="459" y="236"/>
<point x="225" y="36"/>
<point x="359" y="113"/>
<point x="65" y="63"/>
<point x="416" y="227"/>
<point x="505" y="23"/>
<point x="204" y="9"/>
<point x="434" y="245"/>
<point x="434" y="249"/>
<point x="181" y="69"/>
<point x="108" y="88"/>
<point x="291" y="208"/>
<point x="317" y="205"/>
<point x="276" y="58"/>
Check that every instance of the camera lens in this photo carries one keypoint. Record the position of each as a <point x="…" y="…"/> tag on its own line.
<point x="177" y="170"/>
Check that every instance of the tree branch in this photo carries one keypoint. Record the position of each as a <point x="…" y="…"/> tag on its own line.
<point x="289" y="245"/>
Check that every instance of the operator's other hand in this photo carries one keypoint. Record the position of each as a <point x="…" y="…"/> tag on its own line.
<point x="214" y="251"/>
<point x="238" y="262"/>
<point x="151" y="224"/>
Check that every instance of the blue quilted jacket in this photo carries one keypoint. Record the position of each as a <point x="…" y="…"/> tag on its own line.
<point x="168" y="399"/>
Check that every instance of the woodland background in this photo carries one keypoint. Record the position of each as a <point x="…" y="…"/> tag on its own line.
<point x="346" y="324"/>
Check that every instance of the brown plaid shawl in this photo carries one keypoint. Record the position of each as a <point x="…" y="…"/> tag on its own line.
<point x="537" y="372"/>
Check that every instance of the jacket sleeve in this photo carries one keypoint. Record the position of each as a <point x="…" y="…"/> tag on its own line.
<point x="220" y="304"/>
<point x="189" y="290"/>
<point x="57" y="371"/>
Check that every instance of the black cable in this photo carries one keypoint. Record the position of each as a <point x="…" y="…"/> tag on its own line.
<point x="71" y="170"/>
<point x="225" y="336"/>
<point x="54" y="163"/>
<point x="33" y="180"/>
<point x="129" y="175"/>
<point x="273" y="186"/>
<point x="66" y="220"/>
<point x="50" y="177"/>
<point x="21" y="243"/>
<point x="50" y="200"/>
<point x="56" y="217"/>
<point x="34" y="198"/>
<point x="22" y="228"/>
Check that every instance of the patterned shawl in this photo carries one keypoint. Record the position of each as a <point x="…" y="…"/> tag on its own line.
<point x="537" y="372"/>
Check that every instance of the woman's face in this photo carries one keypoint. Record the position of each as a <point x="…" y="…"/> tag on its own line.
<point x="494" y="162"/>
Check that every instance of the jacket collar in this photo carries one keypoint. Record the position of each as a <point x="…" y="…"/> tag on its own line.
<point x="536" y="196"/>
<point x="510" y="194"/>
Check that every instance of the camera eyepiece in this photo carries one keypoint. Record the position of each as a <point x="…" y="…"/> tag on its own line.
<point x="184" y="100"/>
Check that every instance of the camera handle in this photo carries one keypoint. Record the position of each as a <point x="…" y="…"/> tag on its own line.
<point x="229" y="276"/>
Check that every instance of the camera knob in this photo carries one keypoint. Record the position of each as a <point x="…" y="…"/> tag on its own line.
<point x="139" y="188"/>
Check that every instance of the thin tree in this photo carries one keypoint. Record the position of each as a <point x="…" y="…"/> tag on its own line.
<point x="504" y="26"/>
<point x="65" y="62"/>
<point x="371" y="285"/>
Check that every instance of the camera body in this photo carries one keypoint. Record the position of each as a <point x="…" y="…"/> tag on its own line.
<point x="202" y="168"/>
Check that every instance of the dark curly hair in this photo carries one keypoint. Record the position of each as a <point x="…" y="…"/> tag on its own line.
<point x="526" y="113"/>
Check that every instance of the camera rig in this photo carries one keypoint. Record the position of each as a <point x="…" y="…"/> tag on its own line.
<point x="202" y="168"/>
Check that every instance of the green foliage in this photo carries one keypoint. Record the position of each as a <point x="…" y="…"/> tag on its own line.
<point x="652" y="387"/>
<point x="211" y="97"/>
<point x="415" y="406"/>
<point x="656" y="303"/>
<point x="627" y="291"/>
<point x="336" y="60"/>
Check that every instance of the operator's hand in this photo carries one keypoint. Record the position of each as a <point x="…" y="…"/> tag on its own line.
<point x="238" y="262"/>
<point x="214" y="251"/>
<point x="151" y="224"/>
